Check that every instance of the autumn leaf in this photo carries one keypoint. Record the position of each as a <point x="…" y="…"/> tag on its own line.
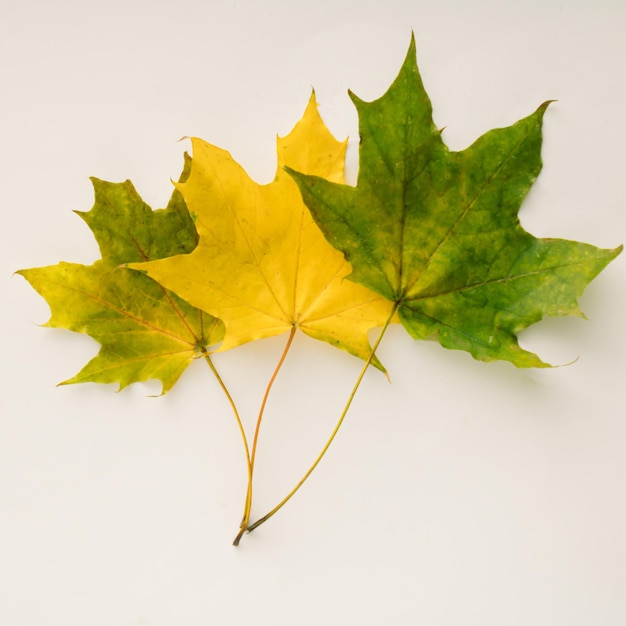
<point x="428" y="236"/>
<point x="437" y="232"/>
<point x="262" y="266"/>
<point x="145" y="331"/>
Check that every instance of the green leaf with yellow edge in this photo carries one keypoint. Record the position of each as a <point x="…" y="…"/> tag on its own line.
<point x="145" y="331"/>
<point x="262" y="265"/>
<point x="437" y="231"/>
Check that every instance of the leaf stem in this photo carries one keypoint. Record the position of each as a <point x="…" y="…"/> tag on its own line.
<point x="235" y="411"/>
<point x="335" y="430"/>
<point x="248" y="504"/>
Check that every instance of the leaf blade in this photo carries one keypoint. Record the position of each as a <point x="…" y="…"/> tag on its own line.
<point x="144" y="331"/>
<point x="261" y="264"/>
<point x="437" y="232"/>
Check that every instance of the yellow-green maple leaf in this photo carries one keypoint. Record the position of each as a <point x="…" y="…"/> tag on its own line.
<point x="145" y="331"/>
<point x="262" y="265"/>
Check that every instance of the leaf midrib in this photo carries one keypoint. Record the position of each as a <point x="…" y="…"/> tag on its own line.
<point x="426" y="296"/>
<point x="461" y="216"/>
<point x="146" y="257"/>
<point x="126" y="314"/>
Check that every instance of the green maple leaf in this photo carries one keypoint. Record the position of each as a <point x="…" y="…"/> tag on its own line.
<point x="437" y="232"/>
<point x="145" y="331"/>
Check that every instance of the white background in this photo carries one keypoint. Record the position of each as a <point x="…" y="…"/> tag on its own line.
<point x="462" y="493"/>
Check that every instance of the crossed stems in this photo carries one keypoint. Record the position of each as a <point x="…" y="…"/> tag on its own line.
<point x="248" y="505"/>
<point x="245" y="525"/>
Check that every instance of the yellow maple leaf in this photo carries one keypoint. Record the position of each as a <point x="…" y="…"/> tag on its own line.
<point x="262" y="265"/>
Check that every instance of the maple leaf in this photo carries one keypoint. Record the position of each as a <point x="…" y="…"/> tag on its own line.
<point x="437" y="232"/>
<point x="262" y="265"/>
<point x="145" y="331"/>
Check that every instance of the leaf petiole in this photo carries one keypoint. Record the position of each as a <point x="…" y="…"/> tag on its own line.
<point x="235" y="411"/>
<point x="252" y="456"/>
<point x="335" y="430"/>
